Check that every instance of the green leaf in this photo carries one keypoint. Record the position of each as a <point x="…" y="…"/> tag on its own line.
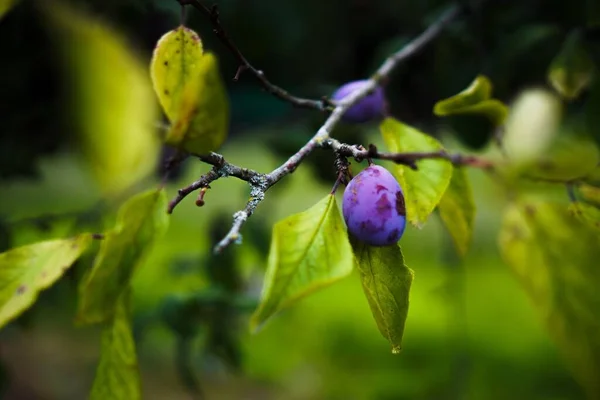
<point x="117" y="376"/>
<point x="593" y="177"/>
<point x="589" y="193"/>
<point x="140" y="222"/>
<point x="190" y="91"/>
<point x="572" y="69"/>
<point x="586" y="213"/>
<point x="309" y="250"/>
<point x="111" y="98"/>
<point x="476" y="99"/>
<point x="386" y="282"/>
<point x="6" y="6"/>
<point x="555" y="257"/>
<point x="457" y="210"/>
<point x="423" y="189"/>
<point x="569" y="157"/>
<point x="27" y="270"/>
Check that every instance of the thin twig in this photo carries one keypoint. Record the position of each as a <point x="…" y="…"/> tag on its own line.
<point x="244" y="65"/>
<point x="221" y="169"/>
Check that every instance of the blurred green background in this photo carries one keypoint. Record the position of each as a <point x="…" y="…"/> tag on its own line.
<point x="471" y="332"/>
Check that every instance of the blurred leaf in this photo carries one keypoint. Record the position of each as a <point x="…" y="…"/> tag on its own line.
<point x="386" y="281"/>
<point x="555" y="257"/>
<point x="117" y="376"/>
<point x="589" y="193"/>
<point x="572" y="69"/>
<point x="309" y="250"/>
<point x="570" y="157"/>
<point x="140" y="222"/>
<point x="479" y="90"/>
<point x="111" y="97"/>
<point x="593" y="177"/>
<point x="586" y="213"/>
<point x="457" y="210"/>
<point x="6" y="5"/>
<point x="532" y="125"/>
<point x="27" y="270"/>
<point x="423" y="189"/>
<point x="191" y="92"/>
<point x="476" y="99"/>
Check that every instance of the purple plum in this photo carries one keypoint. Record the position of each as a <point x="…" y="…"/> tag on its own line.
<point x="368" y="108"/>
<point x="373" y="207"/>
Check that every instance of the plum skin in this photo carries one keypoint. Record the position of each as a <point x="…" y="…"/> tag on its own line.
<point x="371" y="107"/>
<point x="373" y="207"/>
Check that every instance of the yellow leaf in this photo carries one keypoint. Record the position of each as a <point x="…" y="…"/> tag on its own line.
<point x="114" y="112"/>
<point x="27" y="270"/>
<point x="554" y="255"/>
<point x="175" y="64"/>
<point x="191" y="92"/>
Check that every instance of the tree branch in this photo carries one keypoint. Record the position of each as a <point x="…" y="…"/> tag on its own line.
<point x="410" y="159"/>
<point x="260" y="183"/>
<point x="221" y="169"/>
<point x="244" y="65"/>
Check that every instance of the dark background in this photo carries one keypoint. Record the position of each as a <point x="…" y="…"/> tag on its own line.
<point x="471" y="333"/>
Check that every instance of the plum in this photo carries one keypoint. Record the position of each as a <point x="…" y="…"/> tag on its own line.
<point x="373" y="207"/>
<point x="368" y="108"/>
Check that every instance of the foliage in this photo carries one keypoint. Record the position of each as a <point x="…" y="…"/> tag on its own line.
<point x="141" y="220"/>
<point x="457" y="210"/>
<point x="543" y="160"/>
<point x="424" y="187"/>
<point x="29" y="269"/>
<point x="558" y="274"/>
<point x="308" y="251"/>
<point x="106" y="98"/>
<point x="190" y="91"/>
<point x="117" y="376"/>
<point x="386" y="282"/>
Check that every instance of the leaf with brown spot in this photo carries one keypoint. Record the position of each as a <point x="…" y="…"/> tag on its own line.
<point x="191" y="92"/>
<point x="27" y="270"/>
